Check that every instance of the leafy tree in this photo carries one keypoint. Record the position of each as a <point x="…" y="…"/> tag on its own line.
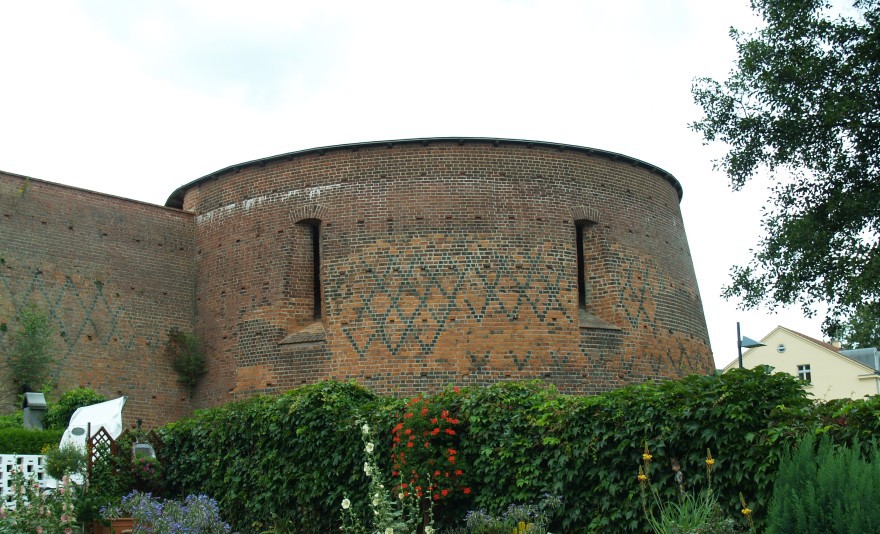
<point x="861" y="329"/>
<point x="802" y="104"/>
<point x="29" y="353"/>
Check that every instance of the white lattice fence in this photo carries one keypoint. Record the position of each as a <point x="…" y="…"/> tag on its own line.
<point x="33" y="466"/>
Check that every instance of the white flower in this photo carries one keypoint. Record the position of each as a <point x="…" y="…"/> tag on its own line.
<point x="345" y="504"/>
<point x="376" y="500"/>
<point x="365" y="429"/>
<point x="367" y="469"/>
<point x="400" y="496"/>
<point x="370" y="447"/>
<point x="429" y="529"/>
<point x="389" y="530"/>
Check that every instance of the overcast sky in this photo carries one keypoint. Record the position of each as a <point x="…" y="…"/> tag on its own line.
<point x="138" y="98"/>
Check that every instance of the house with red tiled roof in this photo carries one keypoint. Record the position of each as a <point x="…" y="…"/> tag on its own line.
<point x="828" y="372"/>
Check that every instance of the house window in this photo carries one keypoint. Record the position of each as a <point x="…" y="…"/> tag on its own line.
<point x="805" y="374"/>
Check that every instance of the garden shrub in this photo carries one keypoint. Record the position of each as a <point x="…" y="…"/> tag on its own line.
<point x="68" y="460"/>
<point x="27" y="441"/>
<point x="12" y="420"/>
<point x="291" y="459"/>
<point x="525" y="440"/>
<point x="59" y="413"/>
<point x="287" y="459"/>
<point x="826" y="489"/>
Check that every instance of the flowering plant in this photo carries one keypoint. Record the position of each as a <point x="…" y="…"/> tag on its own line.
<point x="424" y="451"/>
<point x="692" y="512"/>
<point x="147" y="473"/>
<point x="389" y="516"/>
<point x="152" y="515"/>
<point x="33" y="510"/>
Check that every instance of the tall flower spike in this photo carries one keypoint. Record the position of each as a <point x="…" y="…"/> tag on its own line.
<point x="709" y="460"/>
<point x="646" y="456"/>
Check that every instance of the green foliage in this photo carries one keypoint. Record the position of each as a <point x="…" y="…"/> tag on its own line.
<point x="861" y="329"/>
<point x="291" y="459"/>
<point x="27" y="441"/>
<point x="695" y="512"/>
<point x="424" y="451"/>
<point x="826" y="489"/>
<point x="195" y="513"/>
<point x="288" y="459"/>
<point x="65" y="460"/>
<point x="33" y="511"/>
<point x="12" y="420"/>
<point x="29" y="353"/>
<point x="187" y="356"/>
<point x="517" y="519"/>
<point x="401" y="515"/>
<point x="58" y="414"/>
<point x="802" y="105"/>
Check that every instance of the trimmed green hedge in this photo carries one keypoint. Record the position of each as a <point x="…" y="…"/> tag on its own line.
<point x="288" y="460"/>
<point x="27" y="441"/>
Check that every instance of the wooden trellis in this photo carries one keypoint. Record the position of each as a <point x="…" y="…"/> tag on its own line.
<point x="102" y="442"/>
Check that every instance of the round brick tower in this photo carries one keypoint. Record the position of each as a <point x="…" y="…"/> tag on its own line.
<point x="410" y="265"/>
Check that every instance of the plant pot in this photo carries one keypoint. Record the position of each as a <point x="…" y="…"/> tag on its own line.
<point x="123" y="525"/>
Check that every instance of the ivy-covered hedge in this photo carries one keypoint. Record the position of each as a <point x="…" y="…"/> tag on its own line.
<point x="27" y="441"/>
<point x="282" y="461"/>
<point x="288" y="461"/>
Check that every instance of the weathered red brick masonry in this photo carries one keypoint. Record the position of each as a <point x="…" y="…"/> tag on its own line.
<point x="406" y="265"/>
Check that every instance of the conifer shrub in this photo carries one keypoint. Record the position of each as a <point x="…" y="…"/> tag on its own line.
<point x="822" y="487"/>
<point x="27" y="441"/>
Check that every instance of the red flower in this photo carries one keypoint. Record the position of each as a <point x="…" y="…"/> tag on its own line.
<point x="409" y="444"/>
<point x="458" y="472"/>
<point x="449" y="431"/>
<point x="433" y="420"/>
<point x="456" y="389"/>
<point x="452" y="452"/>
<point x="435" y="431"/>
<point x="424" y="412"/>
<point x="436" y="497"/>
<point x="407" y="416"/>
<point x="444" y="492"/>
<point x="437" y="473"/>
<point x="466" y="491"/>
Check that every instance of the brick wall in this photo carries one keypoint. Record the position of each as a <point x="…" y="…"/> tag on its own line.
<point x="443" y="262"/>
<point x="113" y="275"/>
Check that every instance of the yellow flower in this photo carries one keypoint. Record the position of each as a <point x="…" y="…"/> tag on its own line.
<point x="709" y="460"/>
<point x="646" y="457"/>
<point x="747" y="512"/>
<point x="642" y="476"/>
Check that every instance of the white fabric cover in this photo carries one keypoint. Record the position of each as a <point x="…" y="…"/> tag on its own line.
<point x="105" y="414"/>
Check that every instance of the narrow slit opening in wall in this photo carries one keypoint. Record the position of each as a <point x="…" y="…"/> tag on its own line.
<point x="581" y="277"/>
<point x="315" y="229"/>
